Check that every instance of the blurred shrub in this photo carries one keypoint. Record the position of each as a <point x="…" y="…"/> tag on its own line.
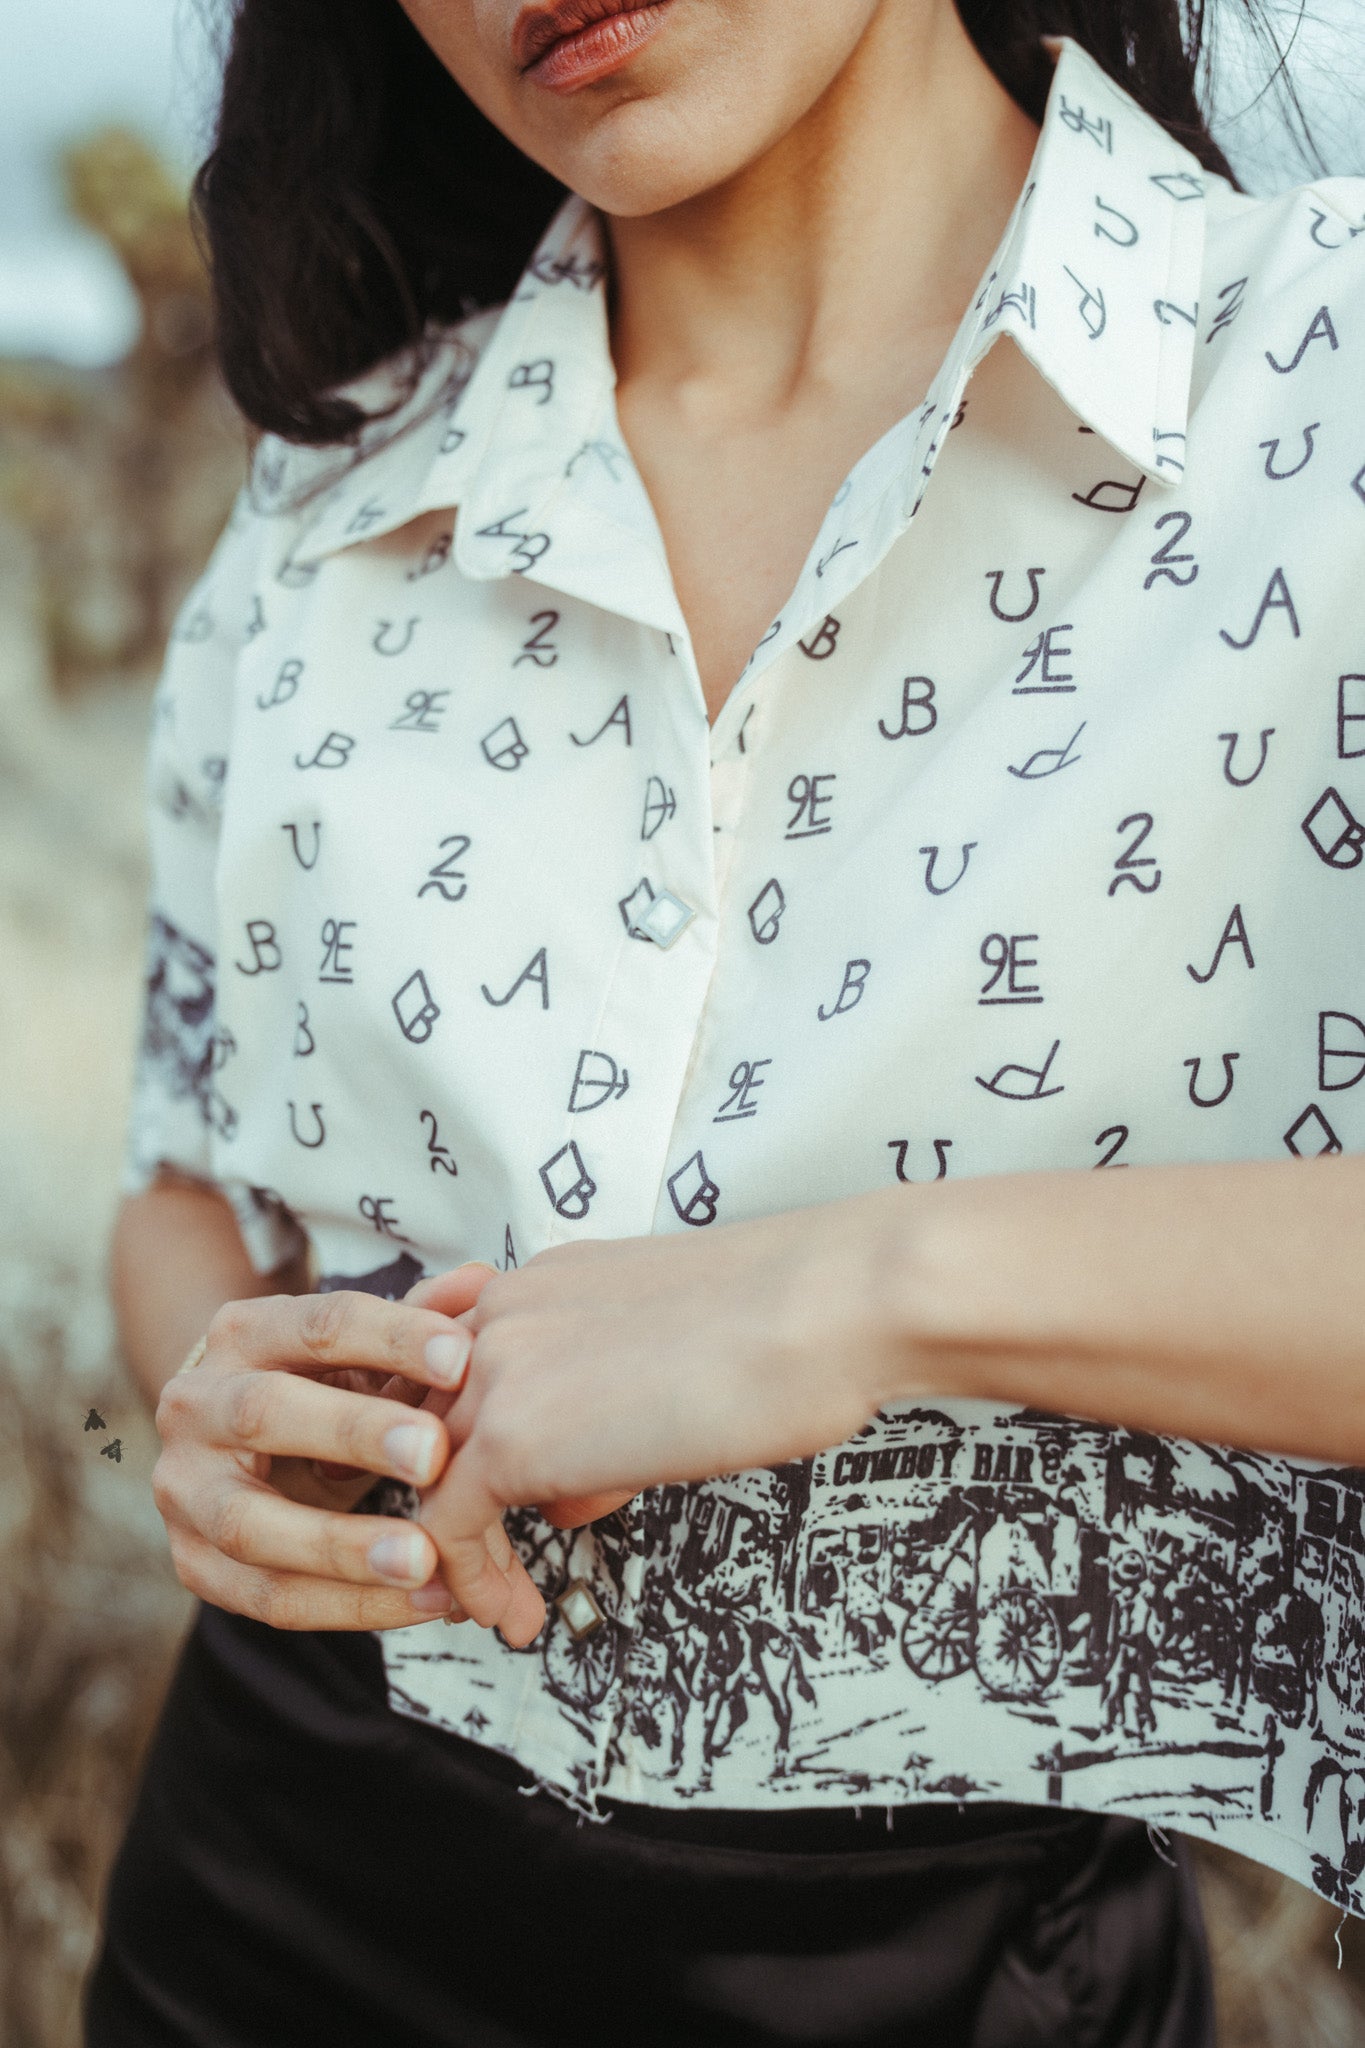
<point x="122" y="478"/>
<point x="120" y="188"/>
<point x="90" y="1614"/>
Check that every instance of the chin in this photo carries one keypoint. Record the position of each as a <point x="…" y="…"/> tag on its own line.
<point x="646" y="156"/>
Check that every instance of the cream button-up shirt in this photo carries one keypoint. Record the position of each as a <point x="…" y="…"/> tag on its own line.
<point x="1032" y="836"/>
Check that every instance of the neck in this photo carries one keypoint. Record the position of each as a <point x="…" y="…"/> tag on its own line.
<point x="872" y="219"/>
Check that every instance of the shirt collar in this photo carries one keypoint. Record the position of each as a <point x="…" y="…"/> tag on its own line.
<point x="1099" y="271"/>
<point x="1096" y="279"/>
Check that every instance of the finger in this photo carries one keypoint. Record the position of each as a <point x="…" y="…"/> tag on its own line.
<point x="294" y="1333"/>
<point x="256" y="1526"/>
<point x="493" y="1587"/>
<point x="437" y="1401"/>
<point x="394" y="1388"/>
<point x="399" y="1388"/>
<point x="475" y="1581"/>
<point x="298" y="1479"/>
<point x="453" y="1292"/>
<point x="287" y="1416"/>
<point x="356" y="1379"/>
<point x="292" y="1600"/>
<point x="495" y="1598"/>
<point x="524" y="1616"/>
<point x="575" y="1512"/>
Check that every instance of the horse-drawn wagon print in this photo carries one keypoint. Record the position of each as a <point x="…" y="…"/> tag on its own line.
<point x="962" y="1603"/>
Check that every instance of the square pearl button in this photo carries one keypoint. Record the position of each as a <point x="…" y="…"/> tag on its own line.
<point x="666" y="916"/>
<point x="579" y="1610"/>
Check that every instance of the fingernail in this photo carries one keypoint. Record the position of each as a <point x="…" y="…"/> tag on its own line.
<point x="447" y="1356"/>
<point x="412" y="1450"/>
<point x="400" y="1558"/>
<point x="431" y="1599"/>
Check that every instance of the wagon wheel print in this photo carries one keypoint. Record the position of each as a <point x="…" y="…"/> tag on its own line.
<point x="936" y="1641"/>
<point x="1018" y="1645"/>
<point x="579" y="1671"/>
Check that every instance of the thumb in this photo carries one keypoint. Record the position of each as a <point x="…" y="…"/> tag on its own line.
<point x="450" y="1294"/>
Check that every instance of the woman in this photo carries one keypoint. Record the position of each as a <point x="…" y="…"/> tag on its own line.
<point x="645" y="959"/>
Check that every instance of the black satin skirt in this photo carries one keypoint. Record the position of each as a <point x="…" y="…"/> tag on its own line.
<point x="305" y="1866"/>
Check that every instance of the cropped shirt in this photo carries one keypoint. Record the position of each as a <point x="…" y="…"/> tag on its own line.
<point x="1032" y="836"/>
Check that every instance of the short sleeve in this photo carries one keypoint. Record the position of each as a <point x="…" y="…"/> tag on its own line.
<point x="177" y="1109"/>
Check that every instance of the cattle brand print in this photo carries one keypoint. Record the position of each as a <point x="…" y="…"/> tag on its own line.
<point x="1031" y="836"/>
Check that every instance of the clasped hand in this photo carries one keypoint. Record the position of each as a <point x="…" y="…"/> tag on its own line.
<point x="571" y="1383"/>
<point x="601" y="1368"/>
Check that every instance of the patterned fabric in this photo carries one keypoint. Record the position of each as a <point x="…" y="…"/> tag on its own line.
<point x="1031" y="837"/>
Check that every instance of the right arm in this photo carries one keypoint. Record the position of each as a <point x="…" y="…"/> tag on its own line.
<point x="176" y="1257"/>
<point x="289" y="1377"/>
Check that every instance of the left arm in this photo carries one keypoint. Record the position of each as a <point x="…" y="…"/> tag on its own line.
<point x="1224" y="1302"/>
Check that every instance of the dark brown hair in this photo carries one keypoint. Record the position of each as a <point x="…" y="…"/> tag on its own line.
<point x="355" y="199"/>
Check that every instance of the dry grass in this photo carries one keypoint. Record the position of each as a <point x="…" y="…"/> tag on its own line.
<point x="89" y="1617"/>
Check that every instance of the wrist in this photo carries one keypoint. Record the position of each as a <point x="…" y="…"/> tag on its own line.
<point x="921" y="1348"/>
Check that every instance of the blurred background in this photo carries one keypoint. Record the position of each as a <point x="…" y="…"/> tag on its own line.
<point x="119" y="457"/>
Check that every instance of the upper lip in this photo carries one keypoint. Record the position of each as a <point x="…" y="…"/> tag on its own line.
<point x="537" y="27"/>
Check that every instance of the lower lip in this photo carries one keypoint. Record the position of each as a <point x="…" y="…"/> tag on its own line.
<point x="596" y="52"/>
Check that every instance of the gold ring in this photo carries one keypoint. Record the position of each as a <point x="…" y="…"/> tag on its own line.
<point x="195" y="1357"/>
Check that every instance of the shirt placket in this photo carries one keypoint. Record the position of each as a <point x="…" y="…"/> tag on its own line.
<point x="727" y="763"/>
<point x="647" y="1024"/>
<point x="728" y="776"/>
